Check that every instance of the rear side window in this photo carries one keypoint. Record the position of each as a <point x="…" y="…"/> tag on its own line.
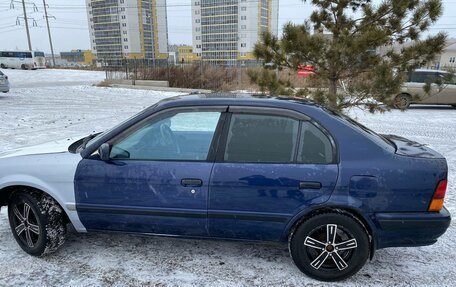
<point x="261" y="138"/>
<point x="314" y="146"/>
<point x="423" y="77"/>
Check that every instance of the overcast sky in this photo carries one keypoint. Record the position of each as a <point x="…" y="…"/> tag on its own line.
<point x="70" y="29"/>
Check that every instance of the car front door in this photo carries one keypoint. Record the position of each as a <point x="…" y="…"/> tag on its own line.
<point x="447" y="95"/>
<point x="157" y="178"/>
<point x="270" y="168"/>
<point x="416" y="87"/>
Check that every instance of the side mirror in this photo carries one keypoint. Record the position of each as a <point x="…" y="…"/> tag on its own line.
<point x="104" y="151"/>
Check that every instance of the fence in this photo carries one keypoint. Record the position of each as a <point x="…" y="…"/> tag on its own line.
<point x="190" y="75"/>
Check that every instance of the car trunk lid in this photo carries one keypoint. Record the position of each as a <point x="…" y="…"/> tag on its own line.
<point x="406" y="147"/>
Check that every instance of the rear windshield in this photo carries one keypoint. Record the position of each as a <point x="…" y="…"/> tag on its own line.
<point x="378" y="139"/>
<point x="39" y="54"/>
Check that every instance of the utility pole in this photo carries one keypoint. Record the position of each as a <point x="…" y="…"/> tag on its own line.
<point x="49" y="32"/>
<point x="26" y="25"/>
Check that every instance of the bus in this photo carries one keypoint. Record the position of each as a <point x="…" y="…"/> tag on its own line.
<point x="39" y="61"/>
<point x="25" y="60"/>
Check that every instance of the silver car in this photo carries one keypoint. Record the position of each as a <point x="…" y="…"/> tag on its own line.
<point x="442" y="92"/>
<point x="4" y="83"/>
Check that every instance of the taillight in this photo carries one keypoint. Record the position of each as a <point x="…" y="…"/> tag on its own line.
<point x="439" y="195"/>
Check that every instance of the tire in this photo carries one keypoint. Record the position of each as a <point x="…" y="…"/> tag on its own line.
<point x="318" y="257"/>
<point x="2" y="66"/>
<point x="37" y="222"/>
<point x="402" y="101"/>
<point x="23" y="67"/>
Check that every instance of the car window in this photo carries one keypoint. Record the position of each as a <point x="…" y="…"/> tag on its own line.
<point x="1" y="74"/>
<point x="378" y="139"/>
<point x="183" y="136"/>
<point x="449" y="79"/>
<point x="314" y="146"/>
<point x="423" y="77"/>
<point x="261" y="138"/>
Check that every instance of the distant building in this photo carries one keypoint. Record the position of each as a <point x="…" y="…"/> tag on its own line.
<point x="128" y="29"/>
<point x="225" y="32"/>
<point x="444" y="61"/>
<point x="78" y="57"/>
<point x="186" y="55"/>
<point x="172" y="58"/>
<point x="448" y="58"/>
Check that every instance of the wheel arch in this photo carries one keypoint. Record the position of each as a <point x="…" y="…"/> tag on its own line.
<point x="7" y="191"/>
<point x="352" y="212"/>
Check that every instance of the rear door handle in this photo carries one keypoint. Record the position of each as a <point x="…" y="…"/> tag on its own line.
<point x="191" y="182"/>
<point x="310" y="185"/>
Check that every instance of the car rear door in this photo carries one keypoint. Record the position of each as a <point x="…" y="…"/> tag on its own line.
<point x="157" y="178"/>
<point x="416" y="84"/>
<point x="272" y="164"/>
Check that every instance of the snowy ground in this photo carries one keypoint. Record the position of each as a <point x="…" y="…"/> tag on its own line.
<point x="37" y="110"/>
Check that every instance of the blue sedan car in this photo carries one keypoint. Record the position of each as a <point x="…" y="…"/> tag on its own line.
<point x="235" y="167"/>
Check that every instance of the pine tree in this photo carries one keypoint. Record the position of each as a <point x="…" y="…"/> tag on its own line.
<point x="342" y="40"/>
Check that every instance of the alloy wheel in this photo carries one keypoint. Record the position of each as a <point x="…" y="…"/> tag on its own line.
<point x="26" y="224"/>
<point x="330" y="246"/>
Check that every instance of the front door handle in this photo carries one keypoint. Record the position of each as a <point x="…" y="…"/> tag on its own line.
<point x="310" y="185"/>
<point x="192" y="182"/>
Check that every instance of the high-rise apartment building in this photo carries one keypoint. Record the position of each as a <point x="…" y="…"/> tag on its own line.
<point x="225" y="31"/>
<point x="128" y="29"/>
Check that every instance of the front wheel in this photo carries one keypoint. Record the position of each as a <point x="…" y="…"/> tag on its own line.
<point x="329" y="247"/>
<point x="37" y="222"/>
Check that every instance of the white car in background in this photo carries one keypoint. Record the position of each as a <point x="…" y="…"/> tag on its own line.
<point x="4" y="83"/>
<point x="442" y="89"/>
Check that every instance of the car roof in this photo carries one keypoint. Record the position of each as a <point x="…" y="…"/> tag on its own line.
<point x="431" y="71"/>
<point x="244" y="99"/>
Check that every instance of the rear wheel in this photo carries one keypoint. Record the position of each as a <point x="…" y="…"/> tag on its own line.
<point x="329" y="247"/>
<point x="402" y="101"/>
<point x="23" y="67"/>
<point x="37" y="222"/>
<point x="2" y="66"/>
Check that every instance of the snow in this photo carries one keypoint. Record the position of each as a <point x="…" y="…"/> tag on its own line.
<point x="49" y="77"/>
<point x="53" y="104"/>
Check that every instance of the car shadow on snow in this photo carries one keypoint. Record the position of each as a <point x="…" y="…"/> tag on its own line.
<point x="207" y="260"/>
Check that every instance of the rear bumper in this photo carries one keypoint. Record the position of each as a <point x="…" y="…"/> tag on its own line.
<point x="411" y="229"/>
